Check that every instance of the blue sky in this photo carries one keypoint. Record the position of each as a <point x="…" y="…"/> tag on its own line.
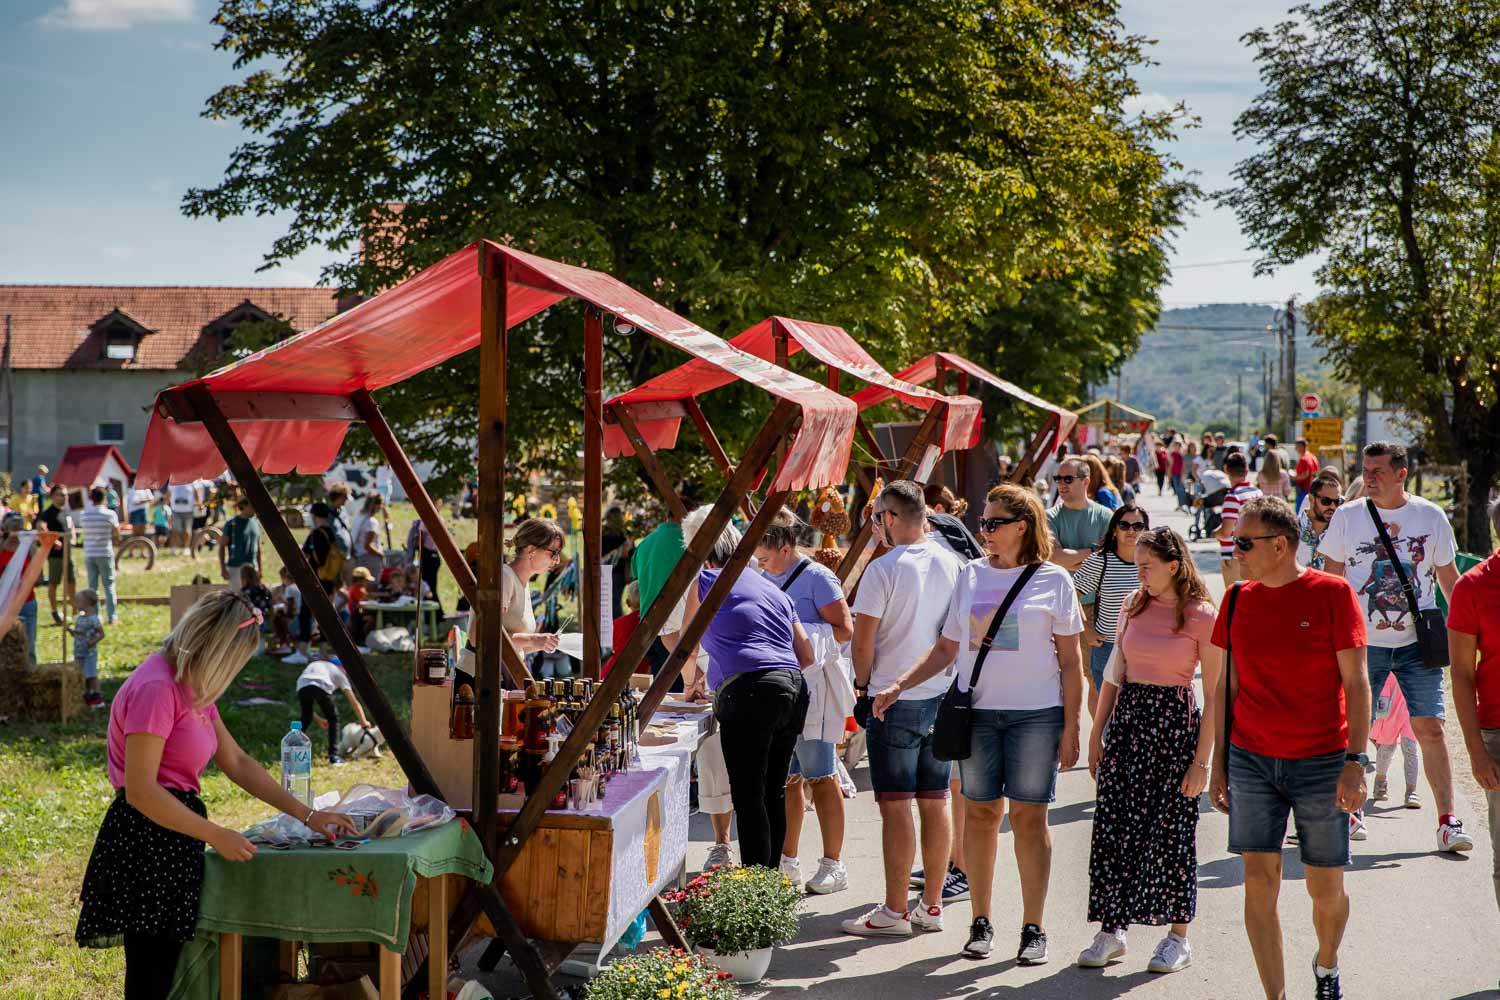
<point x="100" y="102"/>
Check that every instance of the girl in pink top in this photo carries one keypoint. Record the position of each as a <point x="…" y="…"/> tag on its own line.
<point x="145" y="875"/>
<point x="1152" y="761"/>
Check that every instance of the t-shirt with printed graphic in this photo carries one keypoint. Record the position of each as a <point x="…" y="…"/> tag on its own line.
<point x="1307" y="543"/>
<point x="1236" y="498"/>
<point x="1021" y="671"/>
<point x="1423" y="540"/>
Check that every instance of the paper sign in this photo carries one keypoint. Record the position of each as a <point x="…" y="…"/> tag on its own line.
<point x="1323" y="432"/>
<point x="606" y="608"/>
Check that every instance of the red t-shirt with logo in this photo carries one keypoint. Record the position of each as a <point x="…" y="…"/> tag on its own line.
<point x="1290" y="697"/>
<point x="1307" y="468"/>
<point x="1475" y="610"/>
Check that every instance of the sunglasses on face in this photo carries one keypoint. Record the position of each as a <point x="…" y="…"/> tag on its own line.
<point x="1330" y="501"/>
<point x="1247" y="542"/>
<point x="554" y="553"/>
<point x="990" y="525"/>
<point x="1065" y="479"/>
<point x="1131" y="526"/>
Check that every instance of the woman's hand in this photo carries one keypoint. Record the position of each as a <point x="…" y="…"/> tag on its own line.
<point x="547" y="642"/>
<point x="1096" y="752"/>
<point x="1067" y="749"/>
<point x="231" y="844"/>
<point x="1218" y="790"/>
<point x="885" y="699"/>
<point x="1092" y="638"/>
<point x="330" y="824"/>
<point x="698" y="690"/>
<point x="1195" y="780"/>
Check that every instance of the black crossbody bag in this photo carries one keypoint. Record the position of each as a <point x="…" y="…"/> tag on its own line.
<point x="1432" y="630"/>
<point x="953" y="730"/>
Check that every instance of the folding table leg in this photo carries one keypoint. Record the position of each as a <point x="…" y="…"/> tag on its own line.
<point x="437" y="937"/>
<point x="390" y="974"/>
<point x="231" y="951"/>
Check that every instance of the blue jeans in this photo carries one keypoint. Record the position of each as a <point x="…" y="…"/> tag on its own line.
<point x="900" y="746"/>
<point x="814" y="759"/>
<point x="1098" y="660"/>
<point x="1262" y="790"/>
<point x="102" y="570"/>
<point x="28" y="617"/>
<point x="1180" y="490"/>
<point x="88" y="662"/>
<point x="1013" y="755"/>
<point x="1421" y="686"/>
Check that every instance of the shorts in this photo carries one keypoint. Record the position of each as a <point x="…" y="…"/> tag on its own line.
<point x="138" y="516"/>
<point x="1421" y="685"/>
<point x="902" y="766"/>
<point x="182" y="523"/>
<point x="1098" y="660"/>
<point x="1013" y="755"/>
<point x="88" y="662"/>
<point x="814" y="759"/>
<point x="1263" y="789"/>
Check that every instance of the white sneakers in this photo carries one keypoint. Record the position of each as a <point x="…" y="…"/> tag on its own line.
<point x="927" y="916"/>
<point x="1108" y="946"/>
<point x="791" y="868"/>
<point x="1451" y="836"/>
<point x="830" y="877"/>
<point x="879" y="922"/>
<point x="1357" y="825"/>
<point x="1413" y="800"/>
<point x="295" y="660"/>
<point x="1173" y="954"/>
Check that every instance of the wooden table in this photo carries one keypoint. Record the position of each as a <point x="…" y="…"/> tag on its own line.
<point x="431" y="615"/>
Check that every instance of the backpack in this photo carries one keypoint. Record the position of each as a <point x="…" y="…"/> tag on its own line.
<point x="331" y="569"/>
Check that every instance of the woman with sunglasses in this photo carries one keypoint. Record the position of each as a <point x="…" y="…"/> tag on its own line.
<point x="1025" y="704"/>
<point x="1325" y="496"/>
<point x="145" y="875"/>
<point x="1104" y="581"/>
<point x="538" y="546"/>
<point x="1153" y="761"/>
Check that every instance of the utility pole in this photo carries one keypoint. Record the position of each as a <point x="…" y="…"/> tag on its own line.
<point x="1362" y="424"/>
<point x="1292" y="405"/>
<point x="1275" y="394"/>
<point x="10" y="403"/>
<point x="1265" y="389"/>
<point x="1239" y="406"/>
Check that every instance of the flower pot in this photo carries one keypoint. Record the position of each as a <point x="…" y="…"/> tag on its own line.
<point x="744" y="967"/>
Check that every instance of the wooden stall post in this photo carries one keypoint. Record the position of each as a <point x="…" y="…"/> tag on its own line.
<point x="925" y="432"/>
<point x="961" y="459"/>
<point x="1036" y="451"/>
<point x="490" y="509"/>
<point x="715" y="448"/>
<point x="593" y="491"/>
<point x="686" y="570"/>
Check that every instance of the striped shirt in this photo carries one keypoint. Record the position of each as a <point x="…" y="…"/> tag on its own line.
<point x="1237" y="497"/>
<point x="1109" y="580"/>
<point x="98" y="525"/>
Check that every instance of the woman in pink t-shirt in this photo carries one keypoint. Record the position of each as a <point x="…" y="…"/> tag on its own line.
<point x="145" y="875"/>
<point x="1151" y="764"/>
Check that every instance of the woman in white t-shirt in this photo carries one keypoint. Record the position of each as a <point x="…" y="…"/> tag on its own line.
<point x="366" y="536"/>
<point x="1025" y="702"/>
<point x="537" y="544"/>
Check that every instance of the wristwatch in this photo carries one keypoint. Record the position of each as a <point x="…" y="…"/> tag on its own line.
<point x="1363" y="760"/>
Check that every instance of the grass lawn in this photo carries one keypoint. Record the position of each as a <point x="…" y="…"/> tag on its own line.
<point x="54" y="787"/>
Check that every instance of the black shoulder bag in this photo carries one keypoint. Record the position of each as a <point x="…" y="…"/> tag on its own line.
<point x="953" y="730"/>
<point x="1234" y="595"/>
<point x="1432" y="630"/>
<point x="795" y="573"/>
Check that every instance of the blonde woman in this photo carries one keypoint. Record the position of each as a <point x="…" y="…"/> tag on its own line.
<point x="145" y="875"/>
<point x="537" y="544"/>
<point x="1272" y="477"/>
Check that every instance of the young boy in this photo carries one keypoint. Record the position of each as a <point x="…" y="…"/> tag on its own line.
<point x="88" y="632"/>
<point x="315" y="689"/>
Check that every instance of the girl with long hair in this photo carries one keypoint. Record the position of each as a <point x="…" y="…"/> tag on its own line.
<point x="1152" y="762"/>
<point x="1101" y="487"/>
<point x="1272" y="479"/>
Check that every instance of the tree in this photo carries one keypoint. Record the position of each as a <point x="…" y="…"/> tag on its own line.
<point x="1377" y="135"/>
<point x="897" y="168"/>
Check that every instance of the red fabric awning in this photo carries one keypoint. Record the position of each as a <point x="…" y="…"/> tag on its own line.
<point x="927" y="369"/>
<point x="831" y="345"/>
<point x="434" y="316"/>
<point x="82" y="463"/>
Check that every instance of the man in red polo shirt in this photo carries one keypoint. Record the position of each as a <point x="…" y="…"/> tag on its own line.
<point x="1474" y="635"/>
<point x="1298" y="715"/>
<point x="1307" y="468"/>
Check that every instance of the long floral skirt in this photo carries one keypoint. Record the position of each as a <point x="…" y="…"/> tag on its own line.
<point x="1143" y="860"/>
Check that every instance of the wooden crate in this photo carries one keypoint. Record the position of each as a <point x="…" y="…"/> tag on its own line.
<point x="559" y="887"/>
<point x="185" y="595"/>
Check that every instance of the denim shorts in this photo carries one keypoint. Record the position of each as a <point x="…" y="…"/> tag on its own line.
<point x="900" y="746"/>
<point x="1013" y="755"/>
<point x="1263" y="789"/>
<point x="1098" y="660"/>
<point x="1421" y="685"/>
<point x="88" y="662"/>
<point x="814" y="759"/>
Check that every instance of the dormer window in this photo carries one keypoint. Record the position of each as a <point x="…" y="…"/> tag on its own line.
<point x="119" y="336"/>
<point x="245" y="312"/>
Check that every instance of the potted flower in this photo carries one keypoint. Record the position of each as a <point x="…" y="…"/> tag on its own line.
<point x="736" y="917"/>
<point x="662" y="972"/>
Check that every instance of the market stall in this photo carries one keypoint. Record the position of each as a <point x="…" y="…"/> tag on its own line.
<point x="1104" y="419"/>
<point x="288" y="408"/>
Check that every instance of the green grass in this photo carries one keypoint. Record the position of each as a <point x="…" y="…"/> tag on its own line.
<point x="54" y="787"/>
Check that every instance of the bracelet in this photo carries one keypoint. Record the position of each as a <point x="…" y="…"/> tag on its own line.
<point x="310" y="812"/>
<point x="1203" y="764"/>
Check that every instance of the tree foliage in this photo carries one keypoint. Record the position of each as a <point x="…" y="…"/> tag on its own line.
<point x="1377" y="135"/>
<point x="903" y="169"/>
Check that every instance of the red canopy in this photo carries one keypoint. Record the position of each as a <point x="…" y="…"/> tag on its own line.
<point x="831" y="345"/>
<point x="82" y="463"/>
<point x="434" y="316"/>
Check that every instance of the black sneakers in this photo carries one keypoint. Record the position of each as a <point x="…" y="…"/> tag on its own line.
<point x="981" y="938"/>
<point x="1327" y="987"/>
<point x="1033" y="950"/>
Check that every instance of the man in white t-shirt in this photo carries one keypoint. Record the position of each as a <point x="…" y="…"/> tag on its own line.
<point x="898" y="613"/>
<point x="316" y="686"/>
<point x="184" y="499"/>
<point x="101" y="533"/>
<point x="1423" y="540"/>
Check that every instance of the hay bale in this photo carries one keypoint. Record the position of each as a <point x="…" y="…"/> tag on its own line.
<point x="54" y="691"/>
<point x="15" y="661"/>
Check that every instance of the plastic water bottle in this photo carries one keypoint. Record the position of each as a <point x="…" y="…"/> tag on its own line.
<point x="296" y="764"/>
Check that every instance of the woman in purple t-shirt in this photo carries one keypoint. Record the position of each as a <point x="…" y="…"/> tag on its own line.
<point x="146" y="872"/>
<point x="756" y="651"/>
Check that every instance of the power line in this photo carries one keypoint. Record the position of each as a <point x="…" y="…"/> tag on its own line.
<point x="1214" y="263"/>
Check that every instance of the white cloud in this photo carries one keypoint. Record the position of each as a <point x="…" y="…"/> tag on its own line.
<point x="120" y="252"/>
<point x="114" y="15"/>
<point x="1152" y="103"/>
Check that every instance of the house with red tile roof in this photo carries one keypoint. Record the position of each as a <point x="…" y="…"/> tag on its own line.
<point x="86" y="362"/>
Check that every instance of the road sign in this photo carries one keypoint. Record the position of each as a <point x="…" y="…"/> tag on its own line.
<point x="1323" y="432"/>
<point x="1311" y="403"/>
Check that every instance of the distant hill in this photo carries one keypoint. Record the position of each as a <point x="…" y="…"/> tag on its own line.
<point x="1184" y="372"/>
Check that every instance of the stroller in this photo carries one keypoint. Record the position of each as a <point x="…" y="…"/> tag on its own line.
<point x="1208" y="505"/>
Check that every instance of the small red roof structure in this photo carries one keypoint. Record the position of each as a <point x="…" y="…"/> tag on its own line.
<point x="85" y="465"/>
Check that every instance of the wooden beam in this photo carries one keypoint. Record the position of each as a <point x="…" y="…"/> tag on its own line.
<point x="416" y="492"/>
<point x="961" y="459"/>
<point x="868" y="436"/>
<point x="1035" y="451"/>
<point x="664" y="409"/>
<point x="666" y="925"/>
<point x="271" y="406"/>
<point x="490" y="509"/>
<point x="649" y="462"/>
<point x="914" y="451"/>
<point x="716" y="449"/>
<point x="682" y="576"/>
<point x="593" y="490"/>
<point x="692" y="631"/>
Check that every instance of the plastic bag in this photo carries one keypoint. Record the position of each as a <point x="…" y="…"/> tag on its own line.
<point x="377" y="812"/>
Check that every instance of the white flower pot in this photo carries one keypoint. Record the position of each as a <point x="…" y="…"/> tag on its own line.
<point x="744" y="967"/>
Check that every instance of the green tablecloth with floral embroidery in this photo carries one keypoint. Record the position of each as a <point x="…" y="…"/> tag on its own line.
<point x="325" y="894"/>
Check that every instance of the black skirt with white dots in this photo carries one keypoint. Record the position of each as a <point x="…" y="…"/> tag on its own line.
<point x="142" y="878"/>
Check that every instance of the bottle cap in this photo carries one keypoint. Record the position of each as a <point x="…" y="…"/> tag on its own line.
<point x="296" y="725"/>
